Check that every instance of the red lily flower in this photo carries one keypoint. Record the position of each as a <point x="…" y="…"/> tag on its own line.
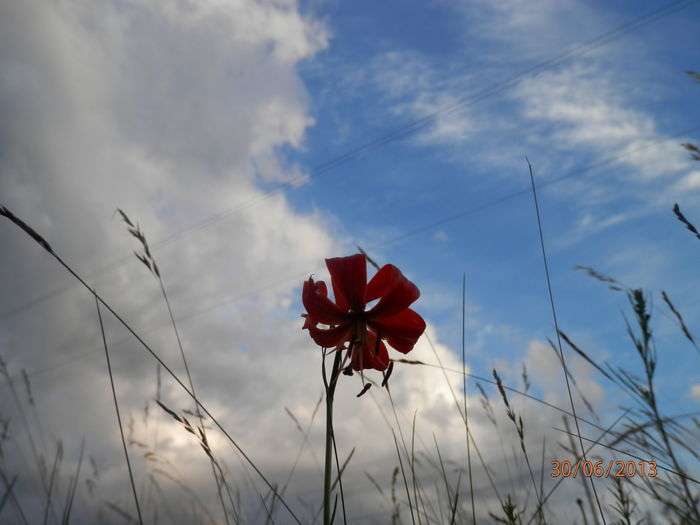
<point x="389" y="320"/>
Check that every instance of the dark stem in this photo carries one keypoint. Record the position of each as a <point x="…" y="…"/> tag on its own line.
<point x="10" y="492"/>
<point x="219" y="490"/>
<point x="38" y="458"/>
<point x="464" y="392"/>
<point x="73" y="486"/>
<point x="8" y="214"/>
<point x="340" y="478"/>
<point x="116" y="409"/>
<point x="405" y="481"/>
<point x="330" y="393"/>
<point x="52" y="479"/>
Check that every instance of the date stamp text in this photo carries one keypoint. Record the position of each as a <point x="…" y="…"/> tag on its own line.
<point x="565" y="468"/>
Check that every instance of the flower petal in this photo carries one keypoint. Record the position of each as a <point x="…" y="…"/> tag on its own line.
<point x="349" y="279"/>
<point x="371" y="355"/>
<point x="382" y="282"/>
<point x="394" y="290"/>
<point x="314" y="295"/>
<point x="328" y="338"/>
<point x="401" y="331"/>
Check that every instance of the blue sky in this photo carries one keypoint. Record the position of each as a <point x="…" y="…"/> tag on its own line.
<point x="247" y="138"/>
<point x="625" y="104"/>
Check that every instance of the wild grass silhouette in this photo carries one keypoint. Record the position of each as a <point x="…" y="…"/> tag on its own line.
<point x="424" y="487"/>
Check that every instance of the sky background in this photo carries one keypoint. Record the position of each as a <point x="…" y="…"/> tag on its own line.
<point x="253" y="139"/>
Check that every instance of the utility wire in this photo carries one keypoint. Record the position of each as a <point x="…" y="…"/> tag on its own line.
<point x="397" y="134"/>
<point x="406" y="235"/>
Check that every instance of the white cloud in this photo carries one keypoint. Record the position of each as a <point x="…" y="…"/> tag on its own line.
<point x="174" y="111"/>
<point x="415" y="90"/>
<point x="441" y="236"/>
<point x="542" y="361"/>
<point x="695" y="391"/>
<point x="594" y="222"/>
<point x="691" y="182"/>
<point x="587" y="110"/>
<point x="527" y="31"/>
<point x="173" y="114"/>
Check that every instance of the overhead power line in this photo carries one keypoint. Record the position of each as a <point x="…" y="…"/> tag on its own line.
<point x="399" y="238"/>
<point x="395" y="135"/>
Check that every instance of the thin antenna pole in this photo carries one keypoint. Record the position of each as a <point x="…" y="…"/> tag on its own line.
<point x="556" y="327"/>
<point x="464" y="391"/>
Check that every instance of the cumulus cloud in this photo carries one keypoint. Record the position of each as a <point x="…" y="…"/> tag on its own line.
<point x="589" y="110"/>
<point x="177" y="112"/>
<point x="172" y="111"/>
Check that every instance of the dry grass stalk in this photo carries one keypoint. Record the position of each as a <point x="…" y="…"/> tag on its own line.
<point x="8" y="493"/>
<point x="612" y="283"/>
<point x="573" y="449"/>
<point x="511" y="515"/>
<point x="201" y="436"/>
<point x="583" y="398"/>
<point x="119" y="511"/>
<point x="624" y="505"/>
<point x="405" y="481"/>
<point x="148" y="260"/>
<point x="520" y="430"/>
<point x="682" y="218"/>
<point x="39" y="461"/>
<point x="116" y="409"/>
<point x="72" y="487"/>
<point x="550" y="294"/>
<point x="489" y="475"/>
<point x="589" y="449"/>
<point x="6" y="213"/>
<point x="679" y="318"/>
<point x="692" y="149"/>
<point x="9" y="487"/>
<point x="396" y="514"/>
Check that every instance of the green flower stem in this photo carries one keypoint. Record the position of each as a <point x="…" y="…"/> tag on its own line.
<point x="330" y="393"/>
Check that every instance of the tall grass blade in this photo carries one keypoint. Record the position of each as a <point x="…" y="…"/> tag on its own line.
<point x="659" y="466"/>
<point x="461" y="415"/>
<point x="149" y="261"/>
<point x="454" y="505"/>
<point x="679" y="318"/>
<point x="68" y="507"/>
<point x="119" y="417"/>
<point x="464" y="394"/>
<point x="7" y="494"/>
<point x="6" y="213"/>
<point x="12" y="495"/>
<point x="405" y="481"/>
<point x="682" y="218"/>
<point x="561" y="479"/>
<point x="520" y="429"/>
<point x="556" y="326"/>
